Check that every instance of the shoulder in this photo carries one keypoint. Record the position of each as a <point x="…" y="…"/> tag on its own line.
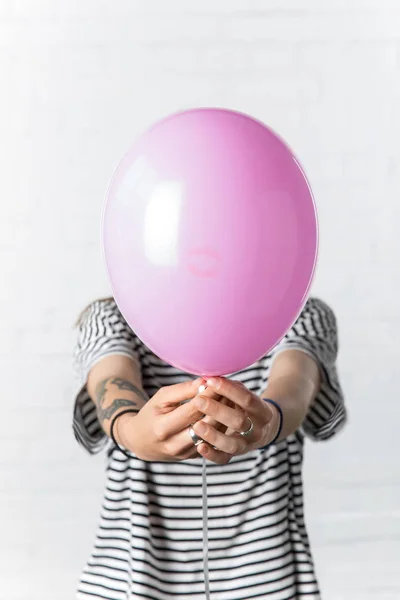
<point x="318" y="307"/>
<point x="102" y="331"/>
<point x="98" y="309"/>
<point x="317" y="317"/>
<point x="103" y="318"/>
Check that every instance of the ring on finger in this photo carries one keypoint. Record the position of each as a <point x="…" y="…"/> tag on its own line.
<point x="196" y="439"/>
<point x="249" y="430"/>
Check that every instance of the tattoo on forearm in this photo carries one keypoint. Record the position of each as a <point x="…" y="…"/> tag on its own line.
<point x="101" y="391"/>
<point x="106" y="412"/>
<point x="123" y="384"/>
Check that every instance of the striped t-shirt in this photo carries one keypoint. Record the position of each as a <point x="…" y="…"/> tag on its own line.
<point x="149" y="540"/>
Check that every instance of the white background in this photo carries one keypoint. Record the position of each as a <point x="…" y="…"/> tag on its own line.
<point x="79" y="80"/>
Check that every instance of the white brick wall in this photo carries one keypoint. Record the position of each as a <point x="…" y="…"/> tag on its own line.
<point x="79" y="80"/>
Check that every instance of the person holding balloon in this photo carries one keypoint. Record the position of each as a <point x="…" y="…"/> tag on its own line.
<point x="210" y="349"/>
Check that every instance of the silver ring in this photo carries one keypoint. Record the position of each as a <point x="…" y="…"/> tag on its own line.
<point x="195" y="438"/>
<point x="248" y="431"/>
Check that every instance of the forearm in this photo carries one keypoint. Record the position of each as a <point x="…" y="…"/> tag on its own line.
<point x="293" y="383"/>
<point x="114" y="385"/>
<point x="114" y="395"/>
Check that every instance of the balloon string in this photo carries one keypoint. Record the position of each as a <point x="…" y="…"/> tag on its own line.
<point x="205" y="531"/>
<point x="202" y="389"/>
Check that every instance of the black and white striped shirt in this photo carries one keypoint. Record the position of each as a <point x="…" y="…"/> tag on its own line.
<point x="149" y="540"/>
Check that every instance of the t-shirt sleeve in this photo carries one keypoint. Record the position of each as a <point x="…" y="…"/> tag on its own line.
<point x="102" y="332"/>
<point x="315" y="332"/>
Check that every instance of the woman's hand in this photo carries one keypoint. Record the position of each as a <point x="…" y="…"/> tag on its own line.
<point x="248" y="408"/>
<point x="160" y="431"/>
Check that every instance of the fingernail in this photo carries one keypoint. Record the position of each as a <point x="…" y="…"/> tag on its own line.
<point x="214" y="382"/>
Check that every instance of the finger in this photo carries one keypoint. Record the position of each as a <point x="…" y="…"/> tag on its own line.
<point x="221" y="413"/>
<point x="231" y="445"/>
<point x="237" y="392"/>
<point x="173" y="395"/>
<point x="216" y="456"/>
<point x="221" y="400"/>
<point x="175" y="408"/>
<point x="210" y="393"/>
<point x="214" y="423"/>
<point x="180" y="445"/>
<point x="176" y="421"/>
<point x="202" y="389"/>
<point x="192" y="453"/>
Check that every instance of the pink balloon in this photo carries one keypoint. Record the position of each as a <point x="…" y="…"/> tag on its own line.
<point x="210" y="240"/>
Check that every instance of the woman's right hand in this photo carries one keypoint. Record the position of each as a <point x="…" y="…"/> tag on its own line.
<point x="159" y="432"/>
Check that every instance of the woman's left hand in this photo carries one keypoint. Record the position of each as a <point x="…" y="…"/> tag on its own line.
<point x="249" y="409"/>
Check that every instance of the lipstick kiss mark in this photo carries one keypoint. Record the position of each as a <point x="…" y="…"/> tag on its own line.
<point x="203" y="262"/>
